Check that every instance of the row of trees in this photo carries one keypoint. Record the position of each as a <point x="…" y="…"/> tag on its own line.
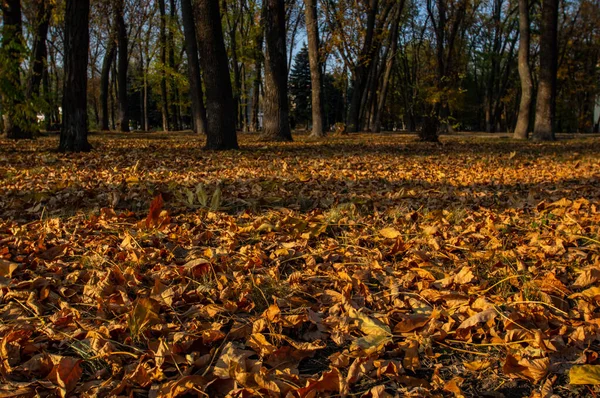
<point x="220" y="66"/>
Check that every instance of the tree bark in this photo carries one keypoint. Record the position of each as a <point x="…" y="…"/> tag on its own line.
<point x="388" y="67"/>
<point x="312" y="28"/>
<point x="105" y="84"/>
<point x="276" y="109"/>
<point x="546" y="96"/>
<point x="73" y="135"/>
<point x="123" y="64"/>
<point x="40" y="51"/>
<point x="172" y="68"/>
<point x="12" y="44"/>
<point x="163" y="61"/>
<point x="522" y="128"/>
<point x="255" y="123"/>
<point x="191" y="47"/>
<point x="361" y="71"/>
<point x="221" y="132"/>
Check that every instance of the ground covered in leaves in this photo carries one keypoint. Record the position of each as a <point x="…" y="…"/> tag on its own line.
<point x="370" y="266"/>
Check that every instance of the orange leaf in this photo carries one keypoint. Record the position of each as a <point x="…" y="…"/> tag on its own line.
<point x="154" y="213"/>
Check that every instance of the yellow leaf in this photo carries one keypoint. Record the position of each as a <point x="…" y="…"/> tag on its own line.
<point x="7" y="268"/>
<point x="369" y="344"/>
<point x="477" y="366"/>
<point x="144" y="314"/>
<point x="369" y="326"/>
<point x="585" y="374"/>
<point x="390" y="233"/>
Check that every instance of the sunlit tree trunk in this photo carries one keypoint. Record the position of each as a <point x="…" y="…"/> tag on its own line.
<point x="543" y="129"/>
<point x="522" y="129"/>
<point x="73" y="135"/>
<point x="276" y="109"/>
<point x="221" y="132"/>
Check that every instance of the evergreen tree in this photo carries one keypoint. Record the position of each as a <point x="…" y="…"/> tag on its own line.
<point x="300" y="88"/>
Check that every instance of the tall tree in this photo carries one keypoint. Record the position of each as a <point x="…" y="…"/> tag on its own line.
<point x="109" y="57"/>
<point x="258" y="63"/>
<point x="276" y="108"/>
<point x="163" y="62"/>
<point x="448" y="23"/>
<point x="522" y="129"/>
<point x="545" y="111"/>
<point x="389" y="65"/>
<point x="73" y="135"/>
<point x="361" y="71"/>
<point x="221" y="132"/>
<point x="300" y="89"/>
<point x="39" y="52"/>
<point x="10" y="62"/>
<point x="175" y="109"/>
<point x="191" y="47"/>
<point x="312" y="29"/>
<point x="123" y="64"/>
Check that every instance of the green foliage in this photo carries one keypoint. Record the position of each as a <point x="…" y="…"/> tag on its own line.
<point x="300" y="88"/>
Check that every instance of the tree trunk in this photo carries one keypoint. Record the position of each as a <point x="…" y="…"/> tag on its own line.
<point x="522" y="129"/>
<point x="105" y="84"/>
<point x="163" y="62"/>
<point x="73" y="135"/>
<point x="255" y="124"/>
<point x="546" y="96"/>
<point x="12" y="43"/>
<point x="276" y="114"/>
<point x="39" y="52"/>
<point x="172" y="67"/>
<point x="361" y="72"/>
<point x="388" y="67"/>
<point x="221" y="132"/>
<point x="191" y="48"/>
<point x="312" y="28"/>
<point x="123" y="63"/>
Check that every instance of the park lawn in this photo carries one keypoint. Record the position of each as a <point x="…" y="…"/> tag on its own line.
<point x="358" y="265"/>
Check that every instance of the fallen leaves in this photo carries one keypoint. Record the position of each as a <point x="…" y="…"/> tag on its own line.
<point x="371" y="267"/>
<point x="585" y="374"/>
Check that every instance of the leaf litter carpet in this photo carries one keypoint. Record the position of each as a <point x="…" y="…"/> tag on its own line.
<point x="364" y="266"/>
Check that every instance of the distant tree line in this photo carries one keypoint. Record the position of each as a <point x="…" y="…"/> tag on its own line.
<point x="530" y="67"/>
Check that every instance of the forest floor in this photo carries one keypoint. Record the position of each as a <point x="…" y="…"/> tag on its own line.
<point x="370" y="266"/>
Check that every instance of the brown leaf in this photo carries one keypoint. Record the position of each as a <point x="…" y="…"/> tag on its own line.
<point x="66" y="374"/>
<point x="480" y="317"/>
<point x="411" y="322"/>
<point x="143" y="315"/>
<point x="329" y="382"/>
<point x="533" y="370"/>
<point x="53" y="252"/>
<point x="154" y="212"/>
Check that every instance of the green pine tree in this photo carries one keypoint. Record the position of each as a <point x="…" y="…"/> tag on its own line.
<point x="300" y="89"/>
